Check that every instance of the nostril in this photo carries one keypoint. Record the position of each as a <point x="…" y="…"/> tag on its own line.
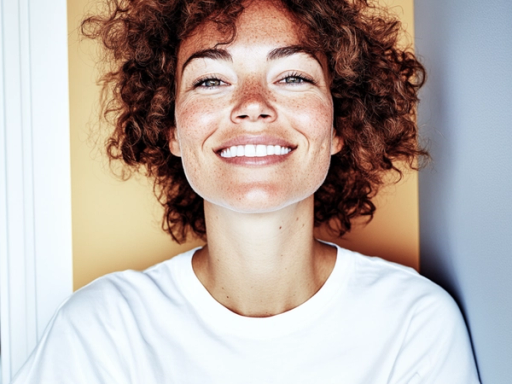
<point x="262" y="115"/>
<point x="253" y="111"/>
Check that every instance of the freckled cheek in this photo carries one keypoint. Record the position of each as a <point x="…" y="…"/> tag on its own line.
<point x="195" y="121"/>
<point x="313" y="118"/>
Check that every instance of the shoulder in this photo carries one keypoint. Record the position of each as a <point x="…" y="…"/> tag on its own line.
<point x="119" y="294"/>
<point x="434" y="341"/>
<point x="400" y="292"/>
<point x="382" y="277"/>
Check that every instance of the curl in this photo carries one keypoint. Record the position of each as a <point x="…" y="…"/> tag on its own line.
<point x="374" y="87"/>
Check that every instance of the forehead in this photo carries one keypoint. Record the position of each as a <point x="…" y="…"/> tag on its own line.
<point x="261" y="22"/>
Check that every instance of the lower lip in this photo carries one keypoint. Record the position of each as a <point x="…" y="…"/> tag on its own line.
<point x="256" y="161"/>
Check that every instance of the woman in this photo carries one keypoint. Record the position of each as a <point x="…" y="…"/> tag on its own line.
<point x="258" y="120"/>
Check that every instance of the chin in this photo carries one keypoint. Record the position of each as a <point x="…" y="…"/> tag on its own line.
<point x="256" y="207"/>
<point x="261" y="202"/>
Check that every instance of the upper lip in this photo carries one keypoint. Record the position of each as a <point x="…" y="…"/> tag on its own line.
<point x="255" y="140"/>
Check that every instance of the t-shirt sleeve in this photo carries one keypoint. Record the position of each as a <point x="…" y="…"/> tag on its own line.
<point x="78" y="346"/>
<point x="436" y="348"/>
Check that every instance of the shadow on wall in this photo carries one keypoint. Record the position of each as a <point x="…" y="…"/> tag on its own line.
<point x="465" y="204"/>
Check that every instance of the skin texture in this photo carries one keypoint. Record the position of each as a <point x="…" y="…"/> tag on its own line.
<point x="261" y="258"/>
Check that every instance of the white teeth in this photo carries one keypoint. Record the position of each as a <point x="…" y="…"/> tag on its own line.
<point x="251" y="150"/>
<point x="261" y="150"/>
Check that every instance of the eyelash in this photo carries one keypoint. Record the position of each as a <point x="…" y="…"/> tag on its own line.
<point x="296" y="75"/>
<point x="302" y="78"/>
<point x="198" y="83"/>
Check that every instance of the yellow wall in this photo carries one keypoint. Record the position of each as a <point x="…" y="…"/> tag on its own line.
<point x="394" y="232"/>
<point x="116" y="224"/>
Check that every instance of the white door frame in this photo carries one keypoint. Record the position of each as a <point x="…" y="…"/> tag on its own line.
<point x="35" y="186"/>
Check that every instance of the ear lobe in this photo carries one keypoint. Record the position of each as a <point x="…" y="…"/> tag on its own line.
<point x="336" y="143"/>
<point x="174" y="145"/>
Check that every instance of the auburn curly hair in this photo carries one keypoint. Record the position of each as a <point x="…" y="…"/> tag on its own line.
<point x="374" y="87"/>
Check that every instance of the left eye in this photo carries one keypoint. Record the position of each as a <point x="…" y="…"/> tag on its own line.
<point x="296" y="79"/>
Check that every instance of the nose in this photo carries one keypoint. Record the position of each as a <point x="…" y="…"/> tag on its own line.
<point x="253" y="105"/>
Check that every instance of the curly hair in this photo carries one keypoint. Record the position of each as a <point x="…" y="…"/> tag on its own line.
<point x="374" y="87"/>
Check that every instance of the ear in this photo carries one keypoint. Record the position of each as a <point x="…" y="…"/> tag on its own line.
<point x="336" y="143"/>
<point x="174" y="144"/>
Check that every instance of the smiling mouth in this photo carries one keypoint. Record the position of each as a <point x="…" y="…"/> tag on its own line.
<point x="251" y="150"/>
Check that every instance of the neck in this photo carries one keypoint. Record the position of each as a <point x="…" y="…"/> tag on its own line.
<point x="262" y="264"/>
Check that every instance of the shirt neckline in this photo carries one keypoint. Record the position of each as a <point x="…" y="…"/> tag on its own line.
<point x="224" y="320"/>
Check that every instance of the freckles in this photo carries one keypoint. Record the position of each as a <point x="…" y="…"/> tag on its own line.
<point x="312" y="104"/>
<point x="252" y="91"/>
<point x="196" y="119"/>
<point x="271" y="97"/>
<point x="313" y="118"/>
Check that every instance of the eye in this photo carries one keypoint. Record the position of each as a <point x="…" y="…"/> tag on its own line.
<point x="210" y="82"/>
<point x="296" y="78"/>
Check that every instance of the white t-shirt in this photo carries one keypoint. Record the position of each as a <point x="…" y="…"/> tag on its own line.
<point x="372" y="322"/>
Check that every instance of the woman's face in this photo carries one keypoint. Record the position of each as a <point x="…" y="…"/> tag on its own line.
<point x="260" y="91"/>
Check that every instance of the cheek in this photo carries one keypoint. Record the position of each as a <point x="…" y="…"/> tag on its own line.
<point x="313" y="117"/>
<point x="195" y="121"/>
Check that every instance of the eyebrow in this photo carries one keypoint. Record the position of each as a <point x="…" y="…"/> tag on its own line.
<point x="275" y="54"/>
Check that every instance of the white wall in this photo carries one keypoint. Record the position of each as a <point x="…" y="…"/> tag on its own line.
<point x="466" y="194"/>
<point x="35" y="195"/>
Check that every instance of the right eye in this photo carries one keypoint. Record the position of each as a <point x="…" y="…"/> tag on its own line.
<point x="210" y="82"/>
